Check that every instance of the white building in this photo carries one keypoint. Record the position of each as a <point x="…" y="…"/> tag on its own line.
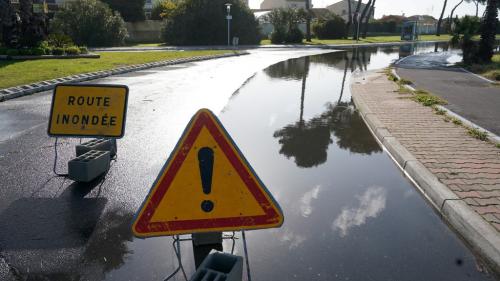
<point x="274" y="4"/>
<point x="341" y="9"/>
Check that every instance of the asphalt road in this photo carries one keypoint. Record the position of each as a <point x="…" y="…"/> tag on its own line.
<point x="51" y="226"/>
<point x="468" y="95"/>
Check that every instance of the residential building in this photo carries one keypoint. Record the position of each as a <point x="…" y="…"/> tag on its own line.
<point x="341" y="9"/>
<point x="425" y="24"/>
<point x="274" y="4"/>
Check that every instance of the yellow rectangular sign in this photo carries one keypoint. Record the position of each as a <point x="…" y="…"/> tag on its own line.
<point x="85" y="110"/>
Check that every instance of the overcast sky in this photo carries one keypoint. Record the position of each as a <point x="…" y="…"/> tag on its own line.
<point x="409" y="7"/>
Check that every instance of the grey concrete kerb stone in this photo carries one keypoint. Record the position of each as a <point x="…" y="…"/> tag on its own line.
<point x="483" y="238"/>
<point x="23" y="90"/>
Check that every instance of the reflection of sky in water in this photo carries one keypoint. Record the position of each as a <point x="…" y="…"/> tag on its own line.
<point x="306" y="201"/>
<point x="371" y="203"/>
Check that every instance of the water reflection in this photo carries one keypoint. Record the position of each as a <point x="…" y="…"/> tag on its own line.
<point x="308" y="141"/>
<point x="371" y="204"/>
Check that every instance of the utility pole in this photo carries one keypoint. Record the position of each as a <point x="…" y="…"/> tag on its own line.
<point x="229" y="18"/>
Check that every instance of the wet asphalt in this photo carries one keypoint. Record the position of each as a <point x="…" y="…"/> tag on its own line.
<point x="467" y="94"/>
<point x="350" y="214"/>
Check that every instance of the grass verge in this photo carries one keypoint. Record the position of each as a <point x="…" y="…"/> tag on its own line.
<point x="14" y="73"/>
<point x="490" y="71"/>
<point x="369" y="39"/>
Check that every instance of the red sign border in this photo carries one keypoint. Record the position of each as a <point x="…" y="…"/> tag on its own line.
<point x="142" y="227"/>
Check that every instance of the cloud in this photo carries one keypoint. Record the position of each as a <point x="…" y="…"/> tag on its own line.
<point x="294" y="240"/>
<point x="306" y="200"/>
<point x="371" y="204"/>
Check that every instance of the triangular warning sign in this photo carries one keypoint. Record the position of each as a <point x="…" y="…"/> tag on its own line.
<point x="206" y="186"/>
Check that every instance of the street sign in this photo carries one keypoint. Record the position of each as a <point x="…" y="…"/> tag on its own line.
<point x="206" y="186"/>
<point x="85" y="110"/>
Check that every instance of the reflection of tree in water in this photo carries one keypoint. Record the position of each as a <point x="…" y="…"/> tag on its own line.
<point x="308" y="142"/>
<point x="292" y="69"/>
<point x="349" y="128"/>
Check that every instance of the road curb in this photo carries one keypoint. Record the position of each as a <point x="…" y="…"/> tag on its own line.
<point x="24" y="90"/>
<point x="479" y="234"/>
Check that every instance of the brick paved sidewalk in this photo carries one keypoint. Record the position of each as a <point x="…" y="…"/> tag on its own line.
<point x="467" y="166"/>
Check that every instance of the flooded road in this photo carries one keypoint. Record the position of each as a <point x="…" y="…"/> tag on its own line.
<point x="350" y="214"/>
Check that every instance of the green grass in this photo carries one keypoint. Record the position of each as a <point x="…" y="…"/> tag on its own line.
<point x="14" y="73"/>
<point x="369" y="39"/>
<point x="480" y="135"/>
<point x="427" y="98"/>
<point x="490" y="71"/>
<point x="145" y="45"/>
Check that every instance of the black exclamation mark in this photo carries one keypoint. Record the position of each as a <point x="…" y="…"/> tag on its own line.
<point x="206" y="162"/>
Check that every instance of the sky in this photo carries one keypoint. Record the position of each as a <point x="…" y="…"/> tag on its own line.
<point x="408" y="7"/>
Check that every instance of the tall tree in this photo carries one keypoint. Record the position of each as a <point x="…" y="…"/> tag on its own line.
<point x="450" y="20"/>
<point x="356" y="20"/>
<point x="349" y="18"/>
<point x="308" y="20"/>
<point x="367" y="12"/>
<point x="488" y="31"/>
<point x="367" y="19"/>
<point x="438" y="29"/>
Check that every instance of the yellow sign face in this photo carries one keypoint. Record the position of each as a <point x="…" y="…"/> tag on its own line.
<point x="88" y="110"/>
<point x="206" y="186"/>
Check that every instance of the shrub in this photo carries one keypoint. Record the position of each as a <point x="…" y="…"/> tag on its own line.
<point x="58" y="51"/>
<point x="202" y="22"/>
<point x="3" y="51"/>
<point x="278" y="36"/>
<point x="91" y="23"/>
<point x="334" y="28"/>
<point x="294" y="36"/>
<point x="285" y="22"/>
<point x="83" y="50"/>
<point x="12" y="52"/>
<point x="72" y="50"/>
<point x="59" y="40"/>
<point x="465" y="29"/>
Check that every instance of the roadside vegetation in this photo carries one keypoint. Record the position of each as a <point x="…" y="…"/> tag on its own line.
<point x="427" y="99"/>
<point x="13" y="73"/>
<point x="368" y="39"/>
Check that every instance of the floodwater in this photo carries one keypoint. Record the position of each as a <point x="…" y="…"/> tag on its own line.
<point x="350" y="213"/>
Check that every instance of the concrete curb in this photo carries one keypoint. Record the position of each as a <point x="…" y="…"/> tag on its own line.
<point x="24" y="90"/>
<point x="247" y="47"/>
<point x="478" y="233"/>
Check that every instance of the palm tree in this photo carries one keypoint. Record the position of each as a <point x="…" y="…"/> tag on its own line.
<point x="349" y="18"/>
<point x="438" y="29"/>
<point x="488" y="31"/>
<point x="308" y="20"/>
<point x="450" y="20"/>
<point x="356" y="20"/>
<point x="367" y="19"/>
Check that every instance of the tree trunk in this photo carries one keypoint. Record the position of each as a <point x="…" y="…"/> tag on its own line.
<point x="356" y="20"/>
<point x="308" y="21"/>
<point x="367" y="20"/>
<point x="488" y="32"/>
<point x="438" y="29"/>
<point x="349" y="18"/>
<point x="365" y="11"/>
<point x="450" y="21"/>
<point x="477" y="7"/>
